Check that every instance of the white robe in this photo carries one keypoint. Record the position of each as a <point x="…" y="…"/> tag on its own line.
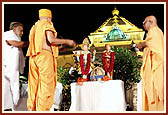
<point x="13" y="64"/>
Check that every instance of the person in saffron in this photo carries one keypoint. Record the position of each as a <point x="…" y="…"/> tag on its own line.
<point x="43" y="53"/>
<point x="152" y="70"/>
<point x="108" y="59"/>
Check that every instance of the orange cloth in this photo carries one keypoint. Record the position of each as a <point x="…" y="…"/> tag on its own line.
<point x="81" y="80"/>
<point x="152" y="71"/>
<point x="41" y="82"/>
<point x="36" y="37"/>
<point x="42" y="68"/>
<point x="106" y="78"/>
<point x="45" y="13"/>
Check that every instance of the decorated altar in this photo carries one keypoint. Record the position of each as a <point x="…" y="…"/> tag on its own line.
<point x="91" y="68"/>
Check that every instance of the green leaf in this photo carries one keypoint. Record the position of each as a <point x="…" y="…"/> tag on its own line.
<point x="126" y="66"/>
<point x="23" y="77"/>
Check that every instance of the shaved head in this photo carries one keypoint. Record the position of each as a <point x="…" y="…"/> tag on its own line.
<point x="152" y="19"/>
<point x="149" y="22"/>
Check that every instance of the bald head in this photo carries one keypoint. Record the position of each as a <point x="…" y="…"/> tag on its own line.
<point x="149" y="22"/>
<point x="152" y="19"/>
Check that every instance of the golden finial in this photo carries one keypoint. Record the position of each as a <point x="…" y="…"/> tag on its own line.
<point x="115" y="12"/>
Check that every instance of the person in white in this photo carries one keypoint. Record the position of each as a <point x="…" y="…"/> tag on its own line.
<point x="13" y="64"/>
<point x="57" y="97"/>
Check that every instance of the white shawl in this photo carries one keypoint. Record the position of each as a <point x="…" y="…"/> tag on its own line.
<point x="11" y="54"/>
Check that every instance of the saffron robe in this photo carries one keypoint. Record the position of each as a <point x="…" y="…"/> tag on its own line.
<point x="42" y="68"/>
<point x="152" y="71"/>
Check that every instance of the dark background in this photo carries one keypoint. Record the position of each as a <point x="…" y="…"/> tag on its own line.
<point x="76" y="21"/>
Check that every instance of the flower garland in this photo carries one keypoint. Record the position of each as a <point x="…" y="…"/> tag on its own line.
<point x="105" y="62"/>
<point x="86" y="70"/>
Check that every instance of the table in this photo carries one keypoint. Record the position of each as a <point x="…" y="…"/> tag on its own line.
<point x="98" y="96"/>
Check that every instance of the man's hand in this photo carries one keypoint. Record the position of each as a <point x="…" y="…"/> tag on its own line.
<point x="141" y="45"/>
<point x="19" y="44"/>
<point x="8" y="42"/>
<point x="71" y="42"/>
<point x="50" y="37"/>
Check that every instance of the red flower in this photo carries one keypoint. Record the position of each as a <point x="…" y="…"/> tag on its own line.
<point x="86" y="70"/>
<point x="105" y="62"/>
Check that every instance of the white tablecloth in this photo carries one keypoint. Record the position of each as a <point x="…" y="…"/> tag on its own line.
<point x="139" y="96"/>
<point x="98" y="96"/>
